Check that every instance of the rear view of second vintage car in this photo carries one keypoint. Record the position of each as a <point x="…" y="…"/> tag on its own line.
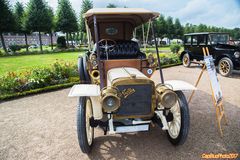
<point x="117" y="93"/>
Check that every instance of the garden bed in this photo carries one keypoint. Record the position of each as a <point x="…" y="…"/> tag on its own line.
<point x="59" y="75"/>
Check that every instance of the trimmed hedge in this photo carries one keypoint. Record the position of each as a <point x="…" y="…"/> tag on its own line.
<point x="56" y="50"/>
<point x="35" y="91"/>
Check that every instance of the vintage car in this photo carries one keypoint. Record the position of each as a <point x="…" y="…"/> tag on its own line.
<point x="116" y="92"/>
<point x="226" y="56"/>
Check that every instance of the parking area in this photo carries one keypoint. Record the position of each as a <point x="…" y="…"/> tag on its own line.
<point x="43" y="126"/>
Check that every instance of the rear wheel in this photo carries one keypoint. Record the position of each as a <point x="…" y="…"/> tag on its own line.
<point x="84" y="130"/>
<point x="225" y="67"/>
<point x="186" y="60"/>
<point x="179" y="126"/>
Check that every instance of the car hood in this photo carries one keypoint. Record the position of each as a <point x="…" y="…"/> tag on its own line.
<point x="226" y="46"/>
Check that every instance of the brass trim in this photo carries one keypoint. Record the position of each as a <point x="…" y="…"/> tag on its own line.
<point x="137" y="81"/>
<point x="95" y="76"/>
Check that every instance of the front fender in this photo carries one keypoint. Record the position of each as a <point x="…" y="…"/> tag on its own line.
<point x="180" y="85"/>
<point x="91" y="90"/>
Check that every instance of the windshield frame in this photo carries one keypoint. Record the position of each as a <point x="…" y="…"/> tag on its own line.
<point x="218" y="42"/>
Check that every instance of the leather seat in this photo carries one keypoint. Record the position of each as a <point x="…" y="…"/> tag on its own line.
<point x="124" y="50"/>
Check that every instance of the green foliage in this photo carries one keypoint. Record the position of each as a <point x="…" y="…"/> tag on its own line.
<point x="66" y="17"/>
<point x="175" y="48"/>
<point x="169" y="59"/>
<point x="86" y="5"/>
<point x="61" y="42"/>
<point x="161" y="26"/>
<point x="111" y="5"/>
<point x="190" y="28"/>
<point x="58" y="73"/>
<point x="170" y="27"/>
<point x="15" y="48"/>
<point x="37" y="16"/>
<point x="178" y="29"/>
<point x="19" y="16"/>
<point x="7" y="21"/>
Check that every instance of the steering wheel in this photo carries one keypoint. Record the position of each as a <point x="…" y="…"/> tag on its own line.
<point x="107" y="45"/>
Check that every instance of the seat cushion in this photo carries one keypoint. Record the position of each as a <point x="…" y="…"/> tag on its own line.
<point x="123" y="50"/>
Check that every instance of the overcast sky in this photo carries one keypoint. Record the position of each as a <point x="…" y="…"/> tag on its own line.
<point x="221" y="13"/>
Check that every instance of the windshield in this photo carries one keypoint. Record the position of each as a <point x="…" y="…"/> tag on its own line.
<point x="219" y="38"/>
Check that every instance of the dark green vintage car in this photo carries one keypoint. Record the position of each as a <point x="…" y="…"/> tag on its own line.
<point x="226" y="56"/>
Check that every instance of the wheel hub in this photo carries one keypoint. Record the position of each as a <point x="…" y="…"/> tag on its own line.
<point x="224" y="67"/>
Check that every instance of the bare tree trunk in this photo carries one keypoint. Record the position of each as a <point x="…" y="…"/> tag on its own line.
<point x="26" y="41"/>
<point x="71" y="39"/>
<point x="81" y="37"/>
<point x="3" y="43"/>
<point x="76" y="38"/>
<point x="51" y="37"/>
<point x="67" y="39"/>
<point x="40" y="40"/>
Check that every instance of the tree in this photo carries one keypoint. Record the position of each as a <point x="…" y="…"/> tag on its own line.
<point x="202" y="28"/>
<point x="86" y="5"/>
<point x="66" y="18"/>
<point x="161" y="27"/>
<point x="19" y="18"/>
<point x="51" y="26"/>
<point x="111" y="5"/>
<point x="7" y="21"/>
<point x="37" y="17"/>
<point x="170" y="27"/>
<point x="178" y="29"/>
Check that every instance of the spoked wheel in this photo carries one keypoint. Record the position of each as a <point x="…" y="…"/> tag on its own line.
<point x="225" y="67"/>
<point x="186" y="60"/>
<point x="84" y="130"/>
<point x="179" y="126"/>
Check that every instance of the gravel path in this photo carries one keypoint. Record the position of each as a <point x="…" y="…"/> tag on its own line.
<point x="44" y="127"/>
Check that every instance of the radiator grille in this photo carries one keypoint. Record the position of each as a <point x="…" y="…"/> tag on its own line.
<point x="137" y="103"/>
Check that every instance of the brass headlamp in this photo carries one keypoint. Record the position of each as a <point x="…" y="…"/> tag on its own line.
<point x="110" y="99"/>
<point x="166" y="96"/>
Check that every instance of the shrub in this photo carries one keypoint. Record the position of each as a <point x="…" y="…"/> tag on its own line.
<point x="61" y="42"/>
<point x="167" y="58"/>
<point x="175" y="48"/>
<point x="58" y="73"/>
<point x="15" y="48"/>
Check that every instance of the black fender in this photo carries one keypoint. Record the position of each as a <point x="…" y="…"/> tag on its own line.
<point x="183" y="52"/>
<point x="218" y="58"/>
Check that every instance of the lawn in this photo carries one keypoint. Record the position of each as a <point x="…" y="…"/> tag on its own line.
<point x="20" y="63"/>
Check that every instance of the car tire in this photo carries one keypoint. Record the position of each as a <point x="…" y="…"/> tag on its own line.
<point x="81" y="70"/>
<point x="225" y="67"/>
<point x="186" y="61"/>
<point x="180" y="137"/>
<point x="84" y="131"/>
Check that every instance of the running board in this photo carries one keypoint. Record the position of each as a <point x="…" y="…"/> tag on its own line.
<point x="136" y="128"/>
